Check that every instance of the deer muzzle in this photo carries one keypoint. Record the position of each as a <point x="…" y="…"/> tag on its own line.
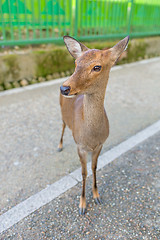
<point x="65" y="90"/>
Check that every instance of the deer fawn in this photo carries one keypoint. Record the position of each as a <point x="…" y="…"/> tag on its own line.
<point x="82" y="104"/>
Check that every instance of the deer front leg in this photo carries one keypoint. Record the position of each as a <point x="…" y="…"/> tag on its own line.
<point x="95" y="155"/>
<point x="60" y="146"/>
<point x="83" y="158"/>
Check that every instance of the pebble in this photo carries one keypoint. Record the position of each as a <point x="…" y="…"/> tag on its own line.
<point x="49" y="77"/>
<point x="41" y="79"/>
<point x="23" y="82"/>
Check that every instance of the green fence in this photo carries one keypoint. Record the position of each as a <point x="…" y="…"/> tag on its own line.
<point x="42" y="21"/>
<point x="34" y="21"/>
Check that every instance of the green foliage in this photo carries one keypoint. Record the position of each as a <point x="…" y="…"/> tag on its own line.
<point x="137" y="51"/>
<point x="12" y="66"/>
<point x="54" y="61"/>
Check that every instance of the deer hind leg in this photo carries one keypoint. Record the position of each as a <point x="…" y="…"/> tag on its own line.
<point x="83" y="159"/>
<point x="95" y="155"/>
<point x="60" y="146"/>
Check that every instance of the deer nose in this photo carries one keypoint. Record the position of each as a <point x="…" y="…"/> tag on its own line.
<point x="65" y="90"/>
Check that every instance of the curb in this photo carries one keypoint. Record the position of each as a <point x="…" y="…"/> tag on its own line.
<point x="61" y="80"/>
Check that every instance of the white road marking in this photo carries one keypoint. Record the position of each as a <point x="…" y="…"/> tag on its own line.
<point x="28" y="206"/>
<point x="34" y="202"/>
<point x="61" y="80"/>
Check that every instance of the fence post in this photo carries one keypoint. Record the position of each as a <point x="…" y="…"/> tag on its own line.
<point x="76" y="20"/>
<point x="130" y="8"/>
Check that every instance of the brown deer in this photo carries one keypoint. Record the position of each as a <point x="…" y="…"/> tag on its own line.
<point x="82" y="104"/>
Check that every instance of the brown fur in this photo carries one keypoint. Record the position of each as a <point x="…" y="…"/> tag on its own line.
<point x="85" y="114"/>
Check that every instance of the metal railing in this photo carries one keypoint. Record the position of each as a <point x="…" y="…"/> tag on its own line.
<point x="43" y="21"/>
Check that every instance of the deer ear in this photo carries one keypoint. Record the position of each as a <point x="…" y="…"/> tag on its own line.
<point x="119" y="48"/>
<point x="74" y="47"/>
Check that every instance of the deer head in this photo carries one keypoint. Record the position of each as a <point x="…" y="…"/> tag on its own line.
<point x="92" y="66"/>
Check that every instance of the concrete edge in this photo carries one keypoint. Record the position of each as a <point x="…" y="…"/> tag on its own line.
<point x="61" y="80"/>
<point x="38" y="200"/>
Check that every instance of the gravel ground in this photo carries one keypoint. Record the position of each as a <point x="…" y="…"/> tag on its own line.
<point x="129" y="189"/>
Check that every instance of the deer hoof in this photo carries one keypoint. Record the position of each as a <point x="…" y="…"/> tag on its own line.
<point x="82" y="211"/>
<point x="59" y="149"/>
<point x="82" y="206"/>
<point x="97" y="200"/>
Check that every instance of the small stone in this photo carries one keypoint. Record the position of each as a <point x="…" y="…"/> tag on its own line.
<point x="23" y="82"/>
<point x="35" y="149"/>
<point x="49" y="77"/>
<point x="7" y="85"/>
<point x="1" y="88"/>
<point x="55" y="75"/>
<point x="56" y="30"/>
<point x="15" y="84"/>
<point x="33" y="81"/>
<point x="16" y="163"/>
<point x="62" y="74"/>
<point x="41" y="79"/>
<point x="16" y="48"/>
<point x="67" y="73"/>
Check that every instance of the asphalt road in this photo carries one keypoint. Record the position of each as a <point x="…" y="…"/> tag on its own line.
<point x="130" y="209"/>
<point x="31" y="126"/>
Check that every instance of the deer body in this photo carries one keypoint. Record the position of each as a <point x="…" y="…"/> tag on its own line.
<point x="87" y="119"/>
<point x="84" y="111"/>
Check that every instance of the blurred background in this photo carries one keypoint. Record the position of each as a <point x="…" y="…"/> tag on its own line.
<point x="32" y="31"/>
<point x="43" y="21"/>
<point x="32" y="51"/>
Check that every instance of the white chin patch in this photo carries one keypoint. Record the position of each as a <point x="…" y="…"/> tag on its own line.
<point x="71" y="96"/>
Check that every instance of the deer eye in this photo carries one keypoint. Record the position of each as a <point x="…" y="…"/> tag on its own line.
<point x="97" y="68"/>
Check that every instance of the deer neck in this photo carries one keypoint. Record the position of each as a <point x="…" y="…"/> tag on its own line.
<point x="93" y="107"/>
